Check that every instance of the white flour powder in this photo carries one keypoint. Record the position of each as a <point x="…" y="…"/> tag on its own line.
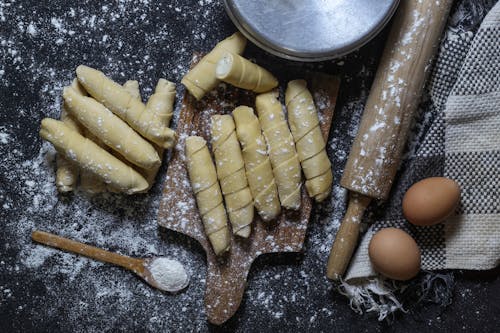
<point x="169" y="274"/>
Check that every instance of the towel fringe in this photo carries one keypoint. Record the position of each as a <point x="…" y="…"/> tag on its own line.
<point x="385" y="297"/>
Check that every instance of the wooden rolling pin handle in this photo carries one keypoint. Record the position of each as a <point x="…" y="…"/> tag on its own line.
<point x="62" y="243"/>
<point x="394" y="98"/>
<point x="347" y="236"/>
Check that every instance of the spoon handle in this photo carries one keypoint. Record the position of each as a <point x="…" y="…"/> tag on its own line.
<point x="66" y="244"/>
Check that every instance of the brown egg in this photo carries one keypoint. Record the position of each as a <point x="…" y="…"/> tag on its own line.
<point x="395" y="254"/>
<point x="431" y="200"/>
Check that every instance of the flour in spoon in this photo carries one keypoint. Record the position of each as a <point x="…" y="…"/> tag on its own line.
<point x="169" y="274"/>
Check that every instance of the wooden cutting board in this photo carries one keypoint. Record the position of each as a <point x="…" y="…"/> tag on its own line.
<point x="226" y="277"/>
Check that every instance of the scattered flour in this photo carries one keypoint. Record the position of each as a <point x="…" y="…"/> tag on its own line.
<point x="4" y="136"/>
<point x="41" y="46"/>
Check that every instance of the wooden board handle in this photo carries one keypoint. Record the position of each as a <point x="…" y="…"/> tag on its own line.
<point x="347" y="236"/>
<point x="226" y="290"/>
<point x="93" y="252"/>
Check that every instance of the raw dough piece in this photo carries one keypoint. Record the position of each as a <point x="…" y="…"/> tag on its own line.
<point x="161" y="103"/>
<point x="231" y="174"/>
<point x="150" y="174"/>
<point x="205" y="186"/>
<point x="201" y="78"/>
<point x="132" y="87"/>
<point x="282" y="153"/>
<point x="257" y="164"/>
<point x="117" y="99"/>
<point x="67" y="172"/>
<point x="160" y="106"/>
<point x="242" y="73"/>
<point x="90" y="182"/>
<point x="91" y="157"/>
<point x="114" y="132"/>
<point x="304" y="124"/>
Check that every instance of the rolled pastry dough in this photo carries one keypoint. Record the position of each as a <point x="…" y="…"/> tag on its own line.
<point x="257" y="164"/>
<point x="160" y="106"/>
<point x="91" y="157"/>
<point x="203" y="177"/>
<point x="242" y="73"/>
<point x="114" y="132"/>
<point x="67" y="172"/>
<point x="282" y="153"/>
<point x="231" y="174"/>
<point x="161" y="103"/>
<point x="201" y="78"/>
<point x="90" y="182"/>
<point x="304" y="124"/>
<point x="132" y="87"/>
<point x="117" y="99"/>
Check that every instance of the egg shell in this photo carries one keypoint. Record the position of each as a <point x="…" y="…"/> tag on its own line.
<point x="394" y="254"/>
<point x="430" y="201"/>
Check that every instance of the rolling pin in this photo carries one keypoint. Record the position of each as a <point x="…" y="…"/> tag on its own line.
<point x="394" y="96"/>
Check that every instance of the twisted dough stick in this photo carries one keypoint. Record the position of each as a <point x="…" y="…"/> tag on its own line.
<point x="258" y="167"/>
<point x="304" y="124"/>
<point x="161" y="103"/>
<point x="282" y="153"/>
<point x="201" y="78"/>
<point x="89" y="181"/>
<point x="91" y="157"/>
<point x="116" y="98"/>
<point x="242" y="73"/>
<point x="231" y="174"/>
<point x="111" y="130"/>
<point x="132" y="87"/>
<point x="205" y="186"/>
<point x="67" y="172"/>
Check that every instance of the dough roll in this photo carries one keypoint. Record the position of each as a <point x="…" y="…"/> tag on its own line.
<point x="91" y="157"/>
<point x="114" y="132"/>
<point x="67" y="172"/>
<point x="257" y="164"/>
<point x="203" y="177"/>
<point x="118" y="99"/>
<point x="242" y="73"/>
<point x="201" y="78"/>
<point x="161" y="104"/>
<point x="231" y="174"/>
<point x="304" y="124"/>
<point x="89" y="181"/>
<point x="132" y="87"/>
<point x="282" y="153"/>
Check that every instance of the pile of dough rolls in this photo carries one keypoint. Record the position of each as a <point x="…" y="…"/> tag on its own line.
<point x="258" y="156"/>
<point x="107" y="137"/>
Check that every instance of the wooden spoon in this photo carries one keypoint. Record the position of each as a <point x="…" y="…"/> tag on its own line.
<point x="159" y="272"/>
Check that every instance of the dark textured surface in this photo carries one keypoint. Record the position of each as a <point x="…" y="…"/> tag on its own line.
<point x="41" y="43"/>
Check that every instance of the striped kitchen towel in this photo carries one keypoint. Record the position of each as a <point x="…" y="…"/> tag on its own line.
<point x="458" y="136"/>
